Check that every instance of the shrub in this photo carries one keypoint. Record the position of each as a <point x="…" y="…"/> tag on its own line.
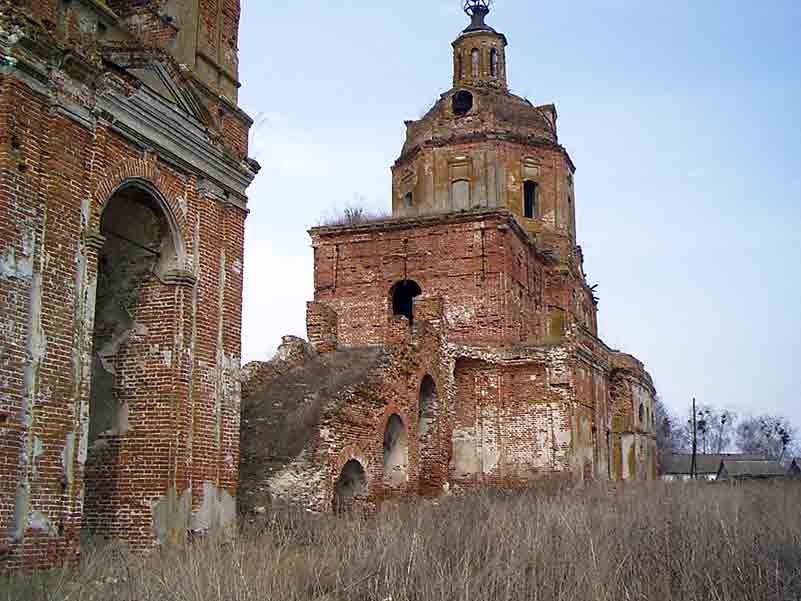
<point x="352" y="215"/>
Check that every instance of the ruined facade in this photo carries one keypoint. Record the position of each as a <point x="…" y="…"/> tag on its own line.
<point x="123" y="170"/>
<point x="486" y="366"/>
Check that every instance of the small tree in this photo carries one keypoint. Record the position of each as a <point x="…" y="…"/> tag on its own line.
<point x="714" y="430"/>
<point x="769" y="435"/>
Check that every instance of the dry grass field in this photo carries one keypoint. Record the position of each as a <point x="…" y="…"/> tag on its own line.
<point x="650" y="542"/>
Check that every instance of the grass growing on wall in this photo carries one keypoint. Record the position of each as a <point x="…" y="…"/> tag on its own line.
<point x="660" y="542"/>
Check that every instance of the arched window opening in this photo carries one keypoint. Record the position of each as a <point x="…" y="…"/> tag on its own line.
<point x="430" y="464"/>
<point x="460" y="195"/>
<point x="403" y="295"/>
<point x="462" y="103"/>
<point x="426" y="408"/>
<point x="476" y="62"/>
<point x="459" y="66"/>
<point x="642" y="414"/>
<point x="350" y="486"/>
<point x="494" y="62"/>
<point x="408" y="200"/>
<point x="139" y="247"/>
<point x="530" y="208"/>
<point x="396" y="452"/>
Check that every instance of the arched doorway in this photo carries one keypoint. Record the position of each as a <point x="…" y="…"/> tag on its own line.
<point x="403" y="294"/>
<point x="396" y="452"/>
<point x="129" y="396"/>
<point x="429" y="478"/>
<point x="350" y="487"/>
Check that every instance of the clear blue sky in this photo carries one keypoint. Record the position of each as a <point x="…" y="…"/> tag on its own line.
<point x="683" y="118"/>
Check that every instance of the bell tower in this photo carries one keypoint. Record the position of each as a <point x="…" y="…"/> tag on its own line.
<point x="483" y="147"/>
<point x="479" y="53"/>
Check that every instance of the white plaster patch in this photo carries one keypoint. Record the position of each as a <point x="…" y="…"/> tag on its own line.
<point x="464" y="461"/>
<point x="39" y="521"/>
<point x="13" y="267"/>
<point x="217" y="510"/>
<point x="38" y="448"/>
<point x="66" y="457"/>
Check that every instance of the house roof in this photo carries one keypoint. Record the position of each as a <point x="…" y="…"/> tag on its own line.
<point x="681" y="464"/>
<point x="752" y="469"/>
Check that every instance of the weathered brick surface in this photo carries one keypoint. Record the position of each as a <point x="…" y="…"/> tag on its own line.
<point x="490" y="279"/>
<point x="121" y="265"/>
<point x="464" y="295"/>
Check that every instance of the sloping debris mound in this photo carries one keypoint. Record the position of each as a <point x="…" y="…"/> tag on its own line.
<point x="281" y="404"/>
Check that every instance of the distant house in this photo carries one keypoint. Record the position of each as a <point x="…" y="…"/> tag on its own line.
<point x="751" y="470"/>
<point x="794" y="470"/>
<point x="679" y="466"/>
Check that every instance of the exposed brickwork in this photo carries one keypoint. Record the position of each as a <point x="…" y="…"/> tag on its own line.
<point x="121" y="265"/>
<point x="474" y="295"/>
<point x="321" y="326"/>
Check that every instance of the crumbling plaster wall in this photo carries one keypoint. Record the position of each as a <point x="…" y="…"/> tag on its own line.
<point x="352" y="425"/>
<point x="513" y="420"/>
<point x="563" y="430"/>
<point x="634" y="440"/>
<point x="507" y="417"/>
<point x="177" y="464"/>
<point x="496" y="172"/>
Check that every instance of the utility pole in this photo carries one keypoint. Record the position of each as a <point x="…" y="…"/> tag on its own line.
<point x="693" y="466"/>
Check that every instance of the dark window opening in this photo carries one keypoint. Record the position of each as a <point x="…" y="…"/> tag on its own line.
<point x="408" y="200"/>
<point x="494" y="62"/>
<point x="403" y="294"/>
<point x="642" y="414"/>
<point x="351" y="485"/>
<point x="462" y="102"/>
<point x="459" y="66"/>
<point x="530" y="200"/>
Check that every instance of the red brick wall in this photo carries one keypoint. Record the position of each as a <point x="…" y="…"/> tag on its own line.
<point x="178" y="375"/>
<point x="511" y="425"/>
<point x="490" y="280"/>
<point x="41" y="9"/>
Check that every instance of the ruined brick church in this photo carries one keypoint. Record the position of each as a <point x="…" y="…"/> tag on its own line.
<point x="123" y="171"/>
<point x="454" y="345"/>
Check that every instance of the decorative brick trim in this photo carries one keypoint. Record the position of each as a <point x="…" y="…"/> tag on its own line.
<point x="147" y="170"/>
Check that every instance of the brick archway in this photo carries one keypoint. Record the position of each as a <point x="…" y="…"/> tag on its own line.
<point x="145" y="173"/>
<point x="137" y="314"/>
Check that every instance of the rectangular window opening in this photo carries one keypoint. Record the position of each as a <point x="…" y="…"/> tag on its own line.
<point x="530" y="208"/>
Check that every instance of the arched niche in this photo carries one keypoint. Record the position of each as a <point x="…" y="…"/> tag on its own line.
<point x="350" y="487"/>
<point x="430" y="474"/>
<point x="135" y="311"/>
<point x="140" y="192"/>
<point x="396" y="452"/>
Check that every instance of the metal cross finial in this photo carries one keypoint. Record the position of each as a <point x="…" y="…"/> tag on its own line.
<point x="471" y="7"/>
<point x="477" y="10"/>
